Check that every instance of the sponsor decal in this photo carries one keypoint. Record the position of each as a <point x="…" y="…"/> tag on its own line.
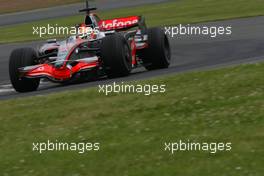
<point x="119" y="23"/>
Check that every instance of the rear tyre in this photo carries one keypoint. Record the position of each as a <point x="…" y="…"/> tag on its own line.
<point x="116" y="56"/>
<point x="21" y="58"/>
<point x="158" y="54"/>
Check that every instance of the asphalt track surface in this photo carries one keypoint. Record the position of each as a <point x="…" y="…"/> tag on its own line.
<point x="68" y="10"/>
<point x="245" y="45"/>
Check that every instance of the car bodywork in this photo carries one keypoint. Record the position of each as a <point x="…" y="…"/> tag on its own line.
<point x="61" y="61"/>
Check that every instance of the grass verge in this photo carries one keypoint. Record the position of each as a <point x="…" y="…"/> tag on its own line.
<point x="225" y="105"/>
<point x="175" y="12"/>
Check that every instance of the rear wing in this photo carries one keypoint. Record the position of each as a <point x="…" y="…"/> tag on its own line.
<point x="122" y="23"/>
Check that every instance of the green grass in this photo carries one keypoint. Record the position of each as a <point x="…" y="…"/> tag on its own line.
<point x="180" y="11"/>
<point x="219" y="105"/>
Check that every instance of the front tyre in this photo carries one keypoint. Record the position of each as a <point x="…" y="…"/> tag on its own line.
<point x="21" y="58"/>
<point x="158" y="53"/>
<point x="116" y="56"/>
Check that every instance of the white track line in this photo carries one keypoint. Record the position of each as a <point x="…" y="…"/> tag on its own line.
<point x="6" y="88"/>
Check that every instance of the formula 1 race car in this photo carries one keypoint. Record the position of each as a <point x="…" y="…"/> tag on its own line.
<point x="108" y="48"/>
